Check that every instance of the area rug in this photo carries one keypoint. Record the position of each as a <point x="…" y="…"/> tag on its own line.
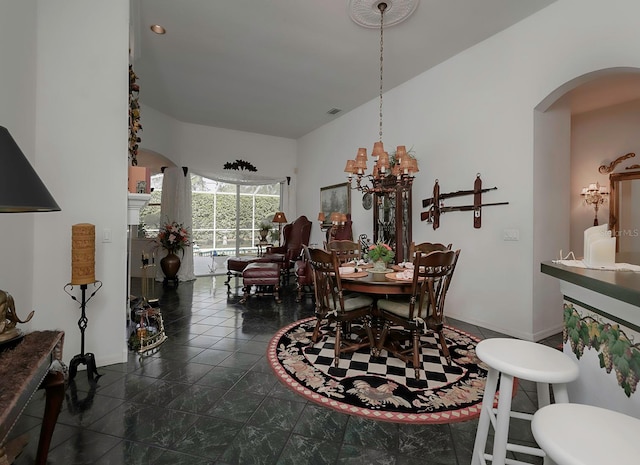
<point x="382" y="388"/>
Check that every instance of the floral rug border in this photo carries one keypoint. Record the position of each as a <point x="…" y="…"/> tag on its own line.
<point x="461" y="401"/>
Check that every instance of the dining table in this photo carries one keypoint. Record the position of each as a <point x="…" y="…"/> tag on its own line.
<point x="368" y="282"/>
<point x="379" y="286"/>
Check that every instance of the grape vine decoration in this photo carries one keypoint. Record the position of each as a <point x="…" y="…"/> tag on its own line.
<point x="616" y="351"/>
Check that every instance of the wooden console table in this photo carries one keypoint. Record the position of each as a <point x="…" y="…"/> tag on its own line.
<point x="23" y="370"/>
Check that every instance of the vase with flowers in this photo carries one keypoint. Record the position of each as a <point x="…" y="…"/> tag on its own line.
<point x="173" y="237"/>
<point x="380" y="254"/>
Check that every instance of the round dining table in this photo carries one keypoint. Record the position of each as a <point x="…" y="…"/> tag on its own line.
<point x="375" y="284"/>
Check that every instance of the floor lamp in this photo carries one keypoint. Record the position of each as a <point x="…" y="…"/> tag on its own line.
<point x="280" y="219"/>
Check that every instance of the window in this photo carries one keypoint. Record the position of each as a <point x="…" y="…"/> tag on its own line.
<point x="225" y="217"/>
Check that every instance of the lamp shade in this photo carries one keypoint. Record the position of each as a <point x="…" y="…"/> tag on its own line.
<point x="279" y="218"/>
<point x="21" y="189"/>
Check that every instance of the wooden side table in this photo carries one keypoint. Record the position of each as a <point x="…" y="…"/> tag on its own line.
<point x="34" y="356"/>
<point x="262" y="247"/>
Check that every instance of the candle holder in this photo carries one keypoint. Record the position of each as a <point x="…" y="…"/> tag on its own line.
<point x="595" y="195"/>
<point x="87" y="359"/>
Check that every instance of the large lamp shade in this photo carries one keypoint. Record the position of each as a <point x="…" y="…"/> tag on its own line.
<point x="21" y="189"/>
<point x="279" y="218"/>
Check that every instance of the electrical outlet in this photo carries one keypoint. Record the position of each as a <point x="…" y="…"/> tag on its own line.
<point x="511" y="235"/>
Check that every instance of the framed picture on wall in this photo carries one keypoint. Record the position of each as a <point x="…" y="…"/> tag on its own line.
<point x="336" y="198"/>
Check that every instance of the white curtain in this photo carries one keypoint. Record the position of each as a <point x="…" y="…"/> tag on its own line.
<point x="176" y="206"/>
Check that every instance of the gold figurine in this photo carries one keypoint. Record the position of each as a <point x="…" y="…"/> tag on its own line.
<point x="9" y="318"/>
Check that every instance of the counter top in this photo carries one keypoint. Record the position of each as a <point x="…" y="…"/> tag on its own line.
<point x="619" y="285"/>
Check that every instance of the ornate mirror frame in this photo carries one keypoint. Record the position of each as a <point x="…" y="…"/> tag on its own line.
<point x="615" y="179"/>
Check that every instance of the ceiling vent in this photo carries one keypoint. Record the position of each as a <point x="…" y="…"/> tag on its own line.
<point x="334" y="111"/>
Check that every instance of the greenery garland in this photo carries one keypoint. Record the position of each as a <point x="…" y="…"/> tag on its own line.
<point x="134" y="117"/>
<point x="240" y="165"/>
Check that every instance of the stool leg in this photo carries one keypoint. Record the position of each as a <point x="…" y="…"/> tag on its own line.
<point x="502" y="420"/>
<point x="560" y="394"/>
<point x="544" y="398"/>
<point x="485" y="418"/>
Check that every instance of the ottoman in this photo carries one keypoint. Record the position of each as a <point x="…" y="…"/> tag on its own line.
<point x="236" y="265"/>
<point x="264" y="276"/>
<point x="280" y="259"/>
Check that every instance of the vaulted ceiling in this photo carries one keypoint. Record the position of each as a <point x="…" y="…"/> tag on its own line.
<point x="277" y="67"/>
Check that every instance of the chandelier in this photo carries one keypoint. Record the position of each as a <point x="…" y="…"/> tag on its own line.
<point x="389" y="172"/>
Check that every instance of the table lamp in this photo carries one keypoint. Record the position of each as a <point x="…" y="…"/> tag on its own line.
<point x="280" y="219"/>
<point x="21" y="190"/>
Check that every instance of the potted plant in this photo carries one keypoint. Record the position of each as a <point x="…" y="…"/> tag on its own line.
<point x="263" y="230"/>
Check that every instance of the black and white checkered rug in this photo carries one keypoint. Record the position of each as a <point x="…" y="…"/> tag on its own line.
<point x="383" y="387"/>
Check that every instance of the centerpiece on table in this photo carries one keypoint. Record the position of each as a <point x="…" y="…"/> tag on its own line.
<point x="173" y="237"/>
<point x="380" y="254"/>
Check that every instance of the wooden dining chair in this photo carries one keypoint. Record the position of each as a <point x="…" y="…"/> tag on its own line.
<point x="346" y="251"/>
<point x="337" y="309"/>
<point x="422" y="312"/>
<point x="426" y="247"/>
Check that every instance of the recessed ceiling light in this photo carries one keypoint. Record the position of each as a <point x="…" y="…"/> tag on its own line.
<point x="158" y="29"/>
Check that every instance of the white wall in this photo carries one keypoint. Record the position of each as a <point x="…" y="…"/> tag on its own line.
<point x="598" y="138"/>
<point x="475" y="113"/>
<point x="17" y="114"/>
<point x="551" y="170"/>
<point x="64" y="100"/>
<point x="205" y="150"/>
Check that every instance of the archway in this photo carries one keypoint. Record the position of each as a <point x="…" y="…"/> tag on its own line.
<point x="555" y="178"/>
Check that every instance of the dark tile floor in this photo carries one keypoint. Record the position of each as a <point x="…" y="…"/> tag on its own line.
<point x="208" y="396"/>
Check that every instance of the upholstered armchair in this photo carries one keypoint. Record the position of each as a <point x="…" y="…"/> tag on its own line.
<point x="295" y="235"/>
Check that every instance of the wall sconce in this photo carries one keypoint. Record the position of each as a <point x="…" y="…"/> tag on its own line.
<point x="595" y="195"/>
<point x="338" y="221"/>
<point x="280" y="219"/>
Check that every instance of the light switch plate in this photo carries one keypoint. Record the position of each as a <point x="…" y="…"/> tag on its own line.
<point x="106" y="235"/>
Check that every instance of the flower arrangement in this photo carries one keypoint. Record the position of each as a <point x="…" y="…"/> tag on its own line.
<point x="380" y="251"/>
<point x="173" y="236"/>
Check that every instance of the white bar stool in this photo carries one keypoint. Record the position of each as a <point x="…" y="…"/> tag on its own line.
<point x="576" y="434"/>
<point x="514" y="358"/>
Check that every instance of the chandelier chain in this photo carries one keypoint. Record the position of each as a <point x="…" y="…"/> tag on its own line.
<point x="382" y="7"/>
<point x="391" y="174"/>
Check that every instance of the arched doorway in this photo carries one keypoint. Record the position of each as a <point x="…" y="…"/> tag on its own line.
<point x="559" y="172"/>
